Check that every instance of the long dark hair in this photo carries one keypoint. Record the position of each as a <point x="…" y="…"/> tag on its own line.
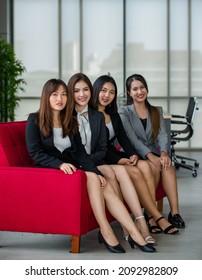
<point x="153" y="110"/>
<point x="97" y="87"/>
<point x="45" y="115"/>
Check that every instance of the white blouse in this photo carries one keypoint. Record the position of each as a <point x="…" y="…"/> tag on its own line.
<point x="60" y="143"/>
<point x="111" y="130"/>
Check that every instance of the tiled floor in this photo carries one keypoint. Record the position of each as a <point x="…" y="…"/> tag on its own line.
<point x="184" y="246"/>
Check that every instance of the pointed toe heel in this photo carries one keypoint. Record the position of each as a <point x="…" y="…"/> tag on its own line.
<point x="113" y="249"/>
<point x="147" y="248"/>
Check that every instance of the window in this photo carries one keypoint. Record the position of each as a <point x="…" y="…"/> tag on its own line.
<point x="146" y="43"/>
<point x="36" y="41"/>
<point x="103" y="39"/>
<point x="160" y="39"/>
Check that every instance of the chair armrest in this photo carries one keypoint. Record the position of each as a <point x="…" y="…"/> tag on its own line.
<point x="43" y="200"/>
<point x="178" y="116"/>
<point x="178" y="122"/>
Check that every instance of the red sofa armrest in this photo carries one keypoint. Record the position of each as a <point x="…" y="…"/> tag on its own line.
<point x="43" y="200"/>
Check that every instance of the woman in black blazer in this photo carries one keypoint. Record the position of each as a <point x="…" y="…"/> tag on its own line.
<point x="53" y="141"/>
<point x="93" y="134"/>
<point x="104" y="98"/>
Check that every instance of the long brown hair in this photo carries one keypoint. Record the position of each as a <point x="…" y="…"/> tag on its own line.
<point x="45" y="115"/>
<point x="153" y="110"/>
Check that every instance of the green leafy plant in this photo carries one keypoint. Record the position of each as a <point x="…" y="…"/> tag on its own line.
<point x="11" y="81"/>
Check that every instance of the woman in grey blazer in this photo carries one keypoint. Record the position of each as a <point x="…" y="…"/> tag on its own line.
<point x="145" y="127"/>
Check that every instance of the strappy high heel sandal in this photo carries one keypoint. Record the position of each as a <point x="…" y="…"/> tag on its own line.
<point x="153" y="229"/>
<point x="149" y="239"/>
<point x="166" y="230"/>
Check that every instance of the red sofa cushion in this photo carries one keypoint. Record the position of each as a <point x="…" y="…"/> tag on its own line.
<point x="3" y="159"/>
<point x="43" y="200"/>
<point x="13" y="149"/>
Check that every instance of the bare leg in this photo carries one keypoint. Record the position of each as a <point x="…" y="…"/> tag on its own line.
<point x="111" y="178"/>
<point x="145" y="168"/>
<point x="120" y="213"/>
<point x="145" y="197"/>
<point x="170" y="186"/>
<point x="98" y="206"/>
<point x="130" y="196"/>
<point x="155" y="171"/>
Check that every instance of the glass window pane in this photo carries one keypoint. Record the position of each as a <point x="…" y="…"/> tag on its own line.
<point x="36" y="41"/>
<point x="196" y="53"/>
<point x="179" y="107"/>
<point x="146" y="46"/>
<point x="178" y="48"/>
<point x="70" y="38"/>
<point x="103" y="39"/>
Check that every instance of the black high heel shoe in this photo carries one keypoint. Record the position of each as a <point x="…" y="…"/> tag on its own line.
<point x="167" y="230"/>
<point x="113" y="249"/>
<point x="148" y="248"/>
<point x="176" y="220"/>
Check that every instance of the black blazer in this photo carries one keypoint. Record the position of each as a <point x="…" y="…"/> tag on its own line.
<point x="45" y="154"/>
<point x="113" y="155"/>
<point x="98" y="136"/>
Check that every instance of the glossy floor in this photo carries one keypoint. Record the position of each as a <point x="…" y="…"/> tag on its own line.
<point x="184" y="246"/>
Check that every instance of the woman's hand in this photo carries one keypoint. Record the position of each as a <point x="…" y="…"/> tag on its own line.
<point x="124" y="161"/>
<point x="155" y="160"/>
<point x="102" y="181"/>
<point x="129" y="161"/>
<point x="67" y="168"/>
<point x="165" y="160"/>
<point x="134" y="159"/>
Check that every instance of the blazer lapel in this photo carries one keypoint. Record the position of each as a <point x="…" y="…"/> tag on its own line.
<point x="93" y="126"/>
<point x="136" y="123"/>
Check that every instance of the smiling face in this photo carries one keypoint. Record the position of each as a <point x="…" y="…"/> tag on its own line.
<point x="138" y="91"/>
<point x="106" y="95"/>
<point x="58" y="99"/>
<point x="82" y="95"/>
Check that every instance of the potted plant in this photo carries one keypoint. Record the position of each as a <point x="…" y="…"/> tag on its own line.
<point x="11" y="81"/>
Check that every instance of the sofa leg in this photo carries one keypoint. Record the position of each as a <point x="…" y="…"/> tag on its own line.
<point x="160" y="205"/>
<point x="75" y="244"/>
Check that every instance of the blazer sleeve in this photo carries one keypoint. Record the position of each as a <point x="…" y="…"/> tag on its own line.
<point x="83" y="158"/>
<point x="163" y="135"/>
<point x="35" y="147"/>
<point x="99" y="137"/>
<point x="141" y="149"/>
<point x="123" y="138"/>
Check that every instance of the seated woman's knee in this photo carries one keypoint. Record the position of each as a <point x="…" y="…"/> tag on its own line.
<point x="108" y="172"/>
<point x="92" y="177"/>
<point x="145" y="167"/>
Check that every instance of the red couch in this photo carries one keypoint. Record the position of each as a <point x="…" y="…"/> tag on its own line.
<point x="41" y="200"/>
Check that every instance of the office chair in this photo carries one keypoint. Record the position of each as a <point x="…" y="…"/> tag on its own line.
<point x="177" y="136"/>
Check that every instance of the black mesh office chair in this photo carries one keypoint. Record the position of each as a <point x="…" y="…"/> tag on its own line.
<point x="184" y="134"/>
